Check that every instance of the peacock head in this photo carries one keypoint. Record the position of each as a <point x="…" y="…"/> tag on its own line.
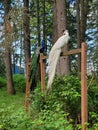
<point x="65" y="32"/>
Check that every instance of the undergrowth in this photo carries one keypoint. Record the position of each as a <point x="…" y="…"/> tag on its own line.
<point x="58" y="109"/>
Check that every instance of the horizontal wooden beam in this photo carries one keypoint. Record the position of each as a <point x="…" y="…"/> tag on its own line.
<point x="74" y="51"/>
<point x="44" y="57"/>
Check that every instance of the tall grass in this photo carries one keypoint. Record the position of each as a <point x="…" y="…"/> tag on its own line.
<point x="7" y="100"/>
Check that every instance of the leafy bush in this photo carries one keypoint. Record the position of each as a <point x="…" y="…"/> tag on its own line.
<point x="19" y="82"/>
<point x="14" y="120"/>
<point x="65" y="98"/>
<point x="51" y="110"/>
<point x="93" y="119"/>
<point x="46" y="120"/>
<point x="68" y="91"/>
<point x="2" y="82"/>
<point x="93" y="105"/>
<point x="52" y="120"/>
<point x="55" y="110"/>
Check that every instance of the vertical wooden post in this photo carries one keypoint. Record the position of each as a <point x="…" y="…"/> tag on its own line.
<point x="42" y="71"/>
<point x="84" y="105"/>
<point x="27" y="87"/>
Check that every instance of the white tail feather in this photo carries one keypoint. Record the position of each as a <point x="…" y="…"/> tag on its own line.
<point x="52" y="66"/>
<point x="54" y="56"/>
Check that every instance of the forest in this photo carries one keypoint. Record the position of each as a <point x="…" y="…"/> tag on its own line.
<point x="28" y="30"/>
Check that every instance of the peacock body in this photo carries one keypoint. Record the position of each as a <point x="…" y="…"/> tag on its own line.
<point x="54" y="56"/>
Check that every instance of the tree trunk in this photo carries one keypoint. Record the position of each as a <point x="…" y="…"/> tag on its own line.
<point x="27" y="36"/>
<point x="10" y="87"/>
<point x="38" y="23"/>
<point x="55" y="32"/>
<point x="78" y="32"/>
<point x="27" y="50"/>
<point x="44" y="25"/>
<point x="82" y="11"/>
<point x="27" y="32"/>
<point x="60" y="19"/>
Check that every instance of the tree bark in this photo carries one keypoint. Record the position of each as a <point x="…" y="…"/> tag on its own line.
<point x="27" y="32"/>
<point x="27" y="50"/>
<point x="78" y="32"/>
<point x="82" y="11"/>
<point x="27" y="42"/>
<point x="44" y="26"/>
<point x="60" y="19"/>
<point x="10" y="87"/>
<point x="38" y="23"/>
<point x="55" y="32"/>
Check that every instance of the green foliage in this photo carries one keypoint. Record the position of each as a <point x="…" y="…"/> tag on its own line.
<point x="2" y="82"/>
<point x="12" y="114"/>
<point x="64" y="103"/>
<point x="14" y="120"/>
<point x="7" y="100"/>
<point x="93" y="98"/>
<point x="68" y="91"/>
<point x="93" y="103"/>
<point x="2" y="65"/>
<point x="50" y="111"/>
<point x="55" y="110"/>
<point x="93" y="117"/>
<point x="19" y="82"/>
<point x="54" y="120"/>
